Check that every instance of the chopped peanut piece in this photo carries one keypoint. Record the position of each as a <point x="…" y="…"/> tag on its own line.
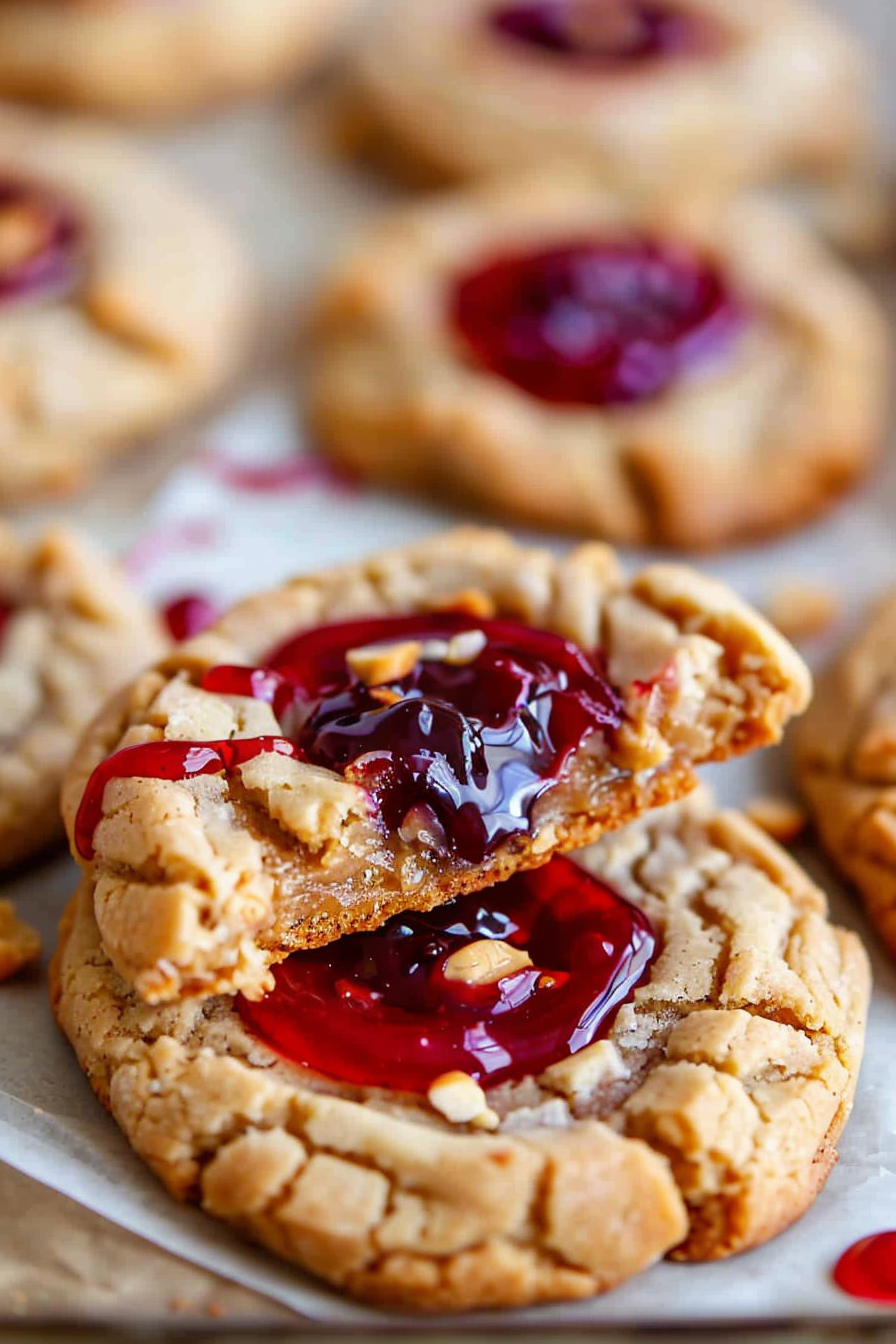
<point x="23" y="231"/>
<point x="460" y="1099"/>
<point x="465" y="647"/>
<point x="780" y="818"/>
<point x="485" y="962"/>
<point x="378" y="663"/>
<point x="19" y="943"/>
<point x="469" y="602"/>
<point x="385" y="695"/>
<point x="801" y="610"/>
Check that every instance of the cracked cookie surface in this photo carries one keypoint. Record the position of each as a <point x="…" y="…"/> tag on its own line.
<point x="149" y="59"/>
<point x="150" y="320"/>
<point x="72" y="630"/>
<point x="200" y="885"/>
<point x="455" y="90"/>
<point x="781" y="411"/>
<point x="703" y="1124"/>
<point x="845" y="761"/>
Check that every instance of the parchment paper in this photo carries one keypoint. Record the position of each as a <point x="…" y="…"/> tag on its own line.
<point x="194" y="533"/>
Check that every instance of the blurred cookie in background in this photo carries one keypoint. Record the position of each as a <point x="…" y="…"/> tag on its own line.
<point x="72" y="630"/>
<point x="689" y="376"/>
<point x="143" y="58"/>
<point x="652" y="95"/>
<point x="124" y="302"/>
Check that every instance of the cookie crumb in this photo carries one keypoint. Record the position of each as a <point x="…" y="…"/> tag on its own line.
<point x="19" y="943"/>
<point x="460" y="1099"/>
<point x="780" y="818"/>
<point x="802" y="610"/>
<point x="485" y="962"/>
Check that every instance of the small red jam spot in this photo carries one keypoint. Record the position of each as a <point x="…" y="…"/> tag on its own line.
<point x="41" y="243"/>
<point x="460" y="750"/>
<point x="378" y="1009"/>
<point x="5" y="613"/>
<point x="289" y="474"/>
<point x="608" y="34"/>
<point x="165" y="760"/>
<point x="868" y="1269"/>
<point x="598" y="323"/>
<point x="188" y="616"/>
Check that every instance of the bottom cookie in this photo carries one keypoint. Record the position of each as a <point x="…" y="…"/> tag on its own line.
<point x="702" y="1123"/>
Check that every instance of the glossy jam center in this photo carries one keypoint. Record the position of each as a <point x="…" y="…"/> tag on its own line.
<point x="596" y="323"/>
<point x="607" y="33"/>
<point x="868" y="1269"/>
<point x="41" y="243"/>
<point x="378" y="1008"/>
<point x="453" y="753"/>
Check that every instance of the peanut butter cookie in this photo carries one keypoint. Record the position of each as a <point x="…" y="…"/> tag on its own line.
<point x="701" y="1120"/>
<point x="845" y="756"/>
<point x="389" y="734"/>
<point x="124" y="304"/>
<point x="142" y="58"/>
<point x="689" y="376"/>
<point x="72" y="630"/>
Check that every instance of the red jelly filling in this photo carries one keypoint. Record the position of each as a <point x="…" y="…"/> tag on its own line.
<point x="595" y="323"/>
<point x="378" y="1009"/>
<point x="41" y="243"/>
<point x="460" y="750"/>
<point x="165" y="760"/>
<point x="465" y="749"/>
<point x="188" y="616"/>
<point x="5" y="613"/>
<point x="607" y="33"/>
<point x="868" y="1268"/>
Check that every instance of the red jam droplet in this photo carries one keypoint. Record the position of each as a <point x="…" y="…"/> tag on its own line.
<point x="596" y="323"/>
<point x="377" y="1009"/>
<point x="868" y="1269"/>
<point x="188" y="616"/>
<point x="165" y="760"/>
<point x="41" y="243"/>
<point x="469" y="746"/>
<point x="460" y="749"/>
<point x="608" y="33"/>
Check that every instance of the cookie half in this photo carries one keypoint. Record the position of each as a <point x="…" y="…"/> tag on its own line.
<point x="845" y="759"/>
<point x="650" y="96"/>
<point x="149" y="59"/>
<point x="553" y="352"/>
<point x="476" y="707"/>
<point x="124" y="303"/>
<point x="702" y="1122"/>
<point x="72" y="630"/>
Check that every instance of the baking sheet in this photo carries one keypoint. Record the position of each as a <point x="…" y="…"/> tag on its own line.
<point x="191" y="531"/>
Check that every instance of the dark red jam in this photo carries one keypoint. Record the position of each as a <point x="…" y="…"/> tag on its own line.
<point x="458" y="750"/>
<point x="598" y="323"/>
<point x="378" y="1009"/>
<point x="41" y="243"/>
<point x="608" y="33"/>
<point x="5" y="613"/>
<point x="165" y="760"/>
<point x="464" y="749"/>
<point x="188" y="616"/>
<point x="868" y="1269"/>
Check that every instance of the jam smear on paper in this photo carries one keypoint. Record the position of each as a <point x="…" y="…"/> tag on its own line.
<point x="868" y="1268"/>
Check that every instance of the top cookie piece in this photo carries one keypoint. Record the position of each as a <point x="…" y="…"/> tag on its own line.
<point x="577" y="358"/>
<point x="124" y="303"/>
<point x="158" y="59"/>
<point x="72" y="631"/>
<point x="201" y="883"/>
<point x="845" y="757"/>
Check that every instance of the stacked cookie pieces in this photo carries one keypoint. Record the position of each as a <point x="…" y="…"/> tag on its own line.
<point x="317" y="823"/>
